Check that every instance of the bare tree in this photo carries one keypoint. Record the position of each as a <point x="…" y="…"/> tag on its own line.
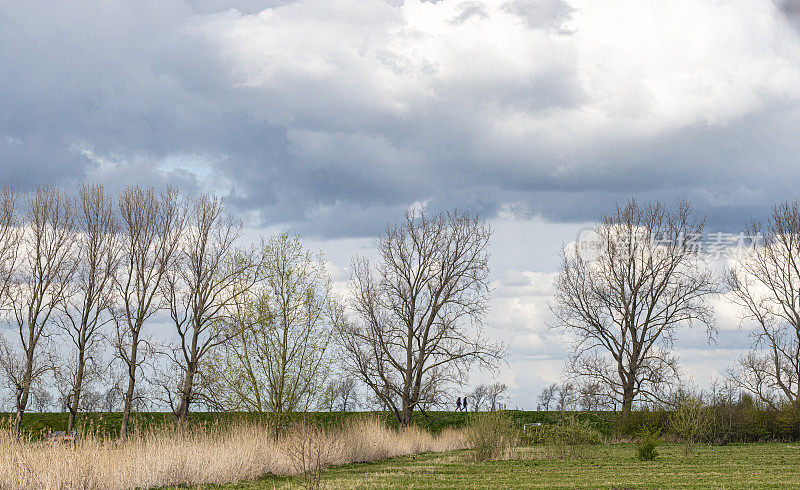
<point x="765" y="283"/>
<point x="10" y="234"/>
<point x="150" y="230"/>
<point x="341" y="394"/>
<point x="566" y="397"/>
<point x="420" y="309"/>
<point x="624" y="306"/>
<point x="277" y="360"/>
<point x="547" y="396"/>
<point x="43" y="278"/>
<point x="41" y="398"/>
<point x="591" y="396"/>
<point x="479" y="395"/>
<point x="87" y="309"/>
<point x="210" y="274"/>
<point x="114" y="389"/>
<point x="495" y="393"/>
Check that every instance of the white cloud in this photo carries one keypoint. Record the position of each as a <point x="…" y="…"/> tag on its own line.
<point x="629" y="68"/>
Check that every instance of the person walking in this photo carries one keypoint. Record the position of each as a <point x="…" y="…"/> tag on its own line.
<point x="464" y="404"/>
<point x="458" y="404"/>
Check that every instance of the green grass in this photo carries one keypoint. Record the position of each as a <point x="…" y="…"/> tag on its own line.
<point x="613" y="465"/>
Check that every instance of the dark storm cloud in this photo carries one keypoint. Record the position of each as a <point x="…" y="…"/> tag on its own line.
<point x="334" y="118"/>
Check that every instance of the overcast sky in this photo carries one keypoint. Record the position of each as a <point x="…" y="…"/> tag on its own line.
<point x="329" y="118"/>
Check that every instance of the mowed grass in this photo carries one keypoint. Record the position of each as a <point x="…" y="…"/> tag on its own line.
<point x="613" y="465"/>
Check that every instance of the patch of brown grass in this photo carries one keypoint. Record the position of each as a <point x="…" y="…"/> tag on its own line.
<point x="203" y="456"/>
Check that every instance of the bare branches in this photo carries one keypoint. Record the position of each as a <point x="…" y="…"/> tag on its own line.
<point x="87" y="308"/>
<point x="150" y="231"/>
<point x="41" y="282"/>
<point x="10" y="233"/>
<point x="624" y="306"/>
<point x="208" y="277"/>
<point x="765" y="283"/>
<point x="419" y="309"/>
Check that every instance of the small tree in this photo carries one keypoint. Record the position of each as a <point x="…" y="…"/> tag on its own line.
<point x="495" y="393"/>
<point x="547" y="396"/>
<point x="566" y="397"/>
<point x="276" y="358"/>
<point x="689" y="420"/>
<point x="419" y="309"/>
<point x="341" y="394"/>
<point x="479" y="396"/>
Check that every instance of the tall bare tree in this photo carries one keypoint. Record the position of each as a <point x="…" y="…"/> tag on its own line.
<point x="88" y="307"/>
<point x="765" y="282"/>
<point x="277" y="360"/>
<point x="420" y="309"/>
<point x="43" y="278"/>
<point x="624" y="306"/>
<point x="209" y="277"/>
<point x="150" y="231"/>
<point x="10" y="235"/>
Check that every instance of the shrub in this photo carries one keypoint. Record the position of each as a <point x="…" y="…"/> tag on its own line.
<point x="309" y="449"/>
<point x="646" y="445"/>
<point x="689" y="422"/>
<point x="569" y="438"/>
<point x="490" y="435"/>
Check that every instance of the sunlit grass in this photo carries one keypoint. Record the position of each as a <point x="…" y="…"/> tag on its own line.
<point x="606" y="466"/>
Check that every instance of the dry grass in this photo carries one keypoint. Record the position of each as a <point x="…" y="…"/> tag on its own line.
<point x="203" y="456"/>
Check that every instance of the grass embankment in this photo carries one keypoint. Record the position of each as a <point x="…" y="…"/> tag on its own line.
<point x="108" y="423"/>
<point x="610" y="466"/>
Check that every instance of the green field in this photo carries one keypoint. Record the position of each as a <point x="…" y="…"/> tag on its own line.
<point x="609" y="466"/>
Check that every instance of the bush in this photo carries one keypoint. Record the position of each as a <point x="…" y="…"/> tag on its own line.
<point x="689" y="422"/>
<point x="646" y="445"/>
<point x="569" y="438"/>
<point x="490" y="435"/>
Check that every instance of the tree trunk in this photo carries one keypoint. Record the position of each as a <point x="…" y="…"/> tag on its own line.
<point x="22" y="398"/>
<point x="405" y="414"/>
<point x="76" y="393"/>
<point x="627" y="404"/>
<point x="126" y="410"/>
<point x="186" y="396"/>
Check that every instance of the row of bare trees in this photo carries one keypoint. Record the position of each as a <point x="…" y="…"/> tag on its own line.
<point x="253" y="326"/>
<point x="623" y="305"/>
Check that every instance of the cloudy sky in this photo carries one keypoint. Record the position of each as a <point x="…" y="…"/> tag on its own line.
<point x="328" y="119"/>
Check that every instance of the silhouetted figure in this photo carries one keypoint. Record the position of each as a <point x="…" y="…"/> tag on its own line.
<point x="458" y="404"/>
<point x="465" y="404"/>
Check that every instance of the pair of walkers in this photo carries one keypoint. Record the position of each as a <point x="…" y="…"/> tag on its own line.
<point x="461" y="406"/>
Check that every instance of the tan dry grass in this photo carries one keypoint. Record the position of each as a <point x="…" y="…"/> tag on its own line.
<point x="194" y="457"/>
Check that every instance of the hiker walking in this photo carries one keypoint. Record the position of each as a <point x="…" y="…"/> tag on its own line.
<point x="464" y="404"/>
<point x="458" y="404"/>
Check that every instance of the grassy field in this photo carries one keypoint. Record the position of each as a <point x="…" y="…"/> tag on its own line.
<point x="613" y="465"/>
